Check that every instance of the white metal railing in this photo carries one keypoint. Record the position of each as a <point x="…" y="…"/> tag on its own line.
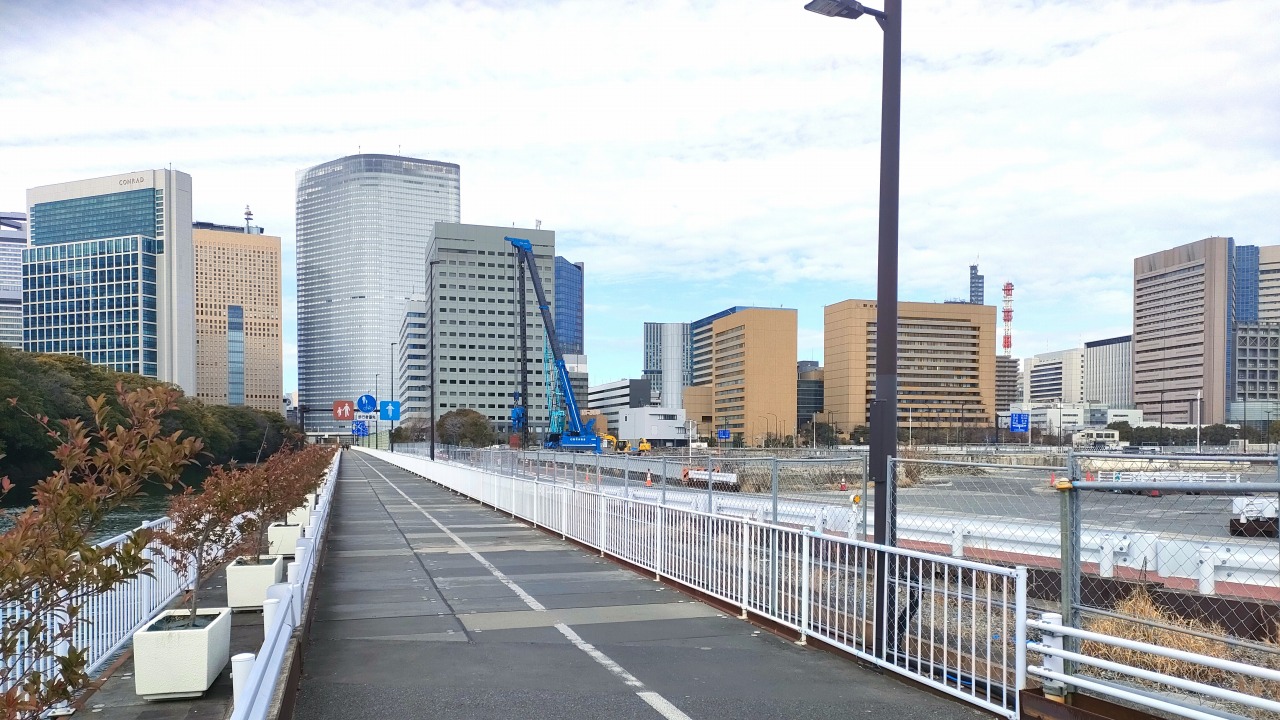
<point x="1054" y="670"/>
<point x="254" y="675"/>
<point x="955" y="624"/>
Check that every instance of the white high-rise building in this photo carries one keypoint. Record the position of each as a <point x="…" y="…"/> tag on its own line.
<point x="1054" y="377"/>
<point x="668" y="361"/>
<point x="13" y="239"/>
<point x="477" y="323"/>
<point x="1108" y="372"/>
<point x="364" y="225"/>
<point x="110" y="274"/>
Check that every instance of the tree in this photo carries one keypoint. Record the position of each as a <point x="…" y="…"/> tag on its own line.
<point x="466" y="427"/>
<point x="1124" y="428"/>
<point x="49" y="564"/>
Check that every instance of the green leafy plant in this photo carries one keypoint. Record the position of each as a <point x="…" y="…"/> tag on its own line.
<point x="277" y="486"/>
<point x="49" y="563"/>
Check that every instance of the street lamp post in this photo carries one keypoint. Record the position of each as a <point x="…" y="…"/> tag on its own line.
<point x="391" y="434"/>
<point x="1162" y="442"/>
<point x="431" y="277"/>
<point x="884" y="425"/>
<point x="376" y="423"/>
<point x="774" y="419"/>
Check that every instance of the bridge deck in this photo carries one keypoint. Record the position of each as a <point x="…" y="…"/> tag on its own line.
<point x="431" y="606"/>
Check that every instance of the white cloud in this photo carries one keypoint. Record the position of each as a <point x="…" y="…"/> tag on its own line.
<point x="723" y="152"/>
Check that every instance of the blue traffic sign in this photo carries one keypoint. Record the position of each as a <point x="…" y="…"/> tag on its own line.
<point x="389" y="410"/>
<point x="367" y="403"/>
<point x="1019" y="422"/>
<point x="722" y="434"/>
<point x="360" y="428"/>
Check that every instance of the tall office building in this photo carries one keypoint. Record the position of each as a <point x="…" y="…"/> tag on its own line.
<point x="13" y="239"/>
<point x="946" y="363"/>
<point x="1007" y="377"/>
<point x="977" y="287"/>
<point x="744" y="358"/>
<point x="668" y="361"/>
<point x="1183" y="315"/>
<point x="1268" y="284"/>
<point x="364" y="225"/>
<point x="1055" y="377"/>
<point x="1108" y="372"/>
<point x="477" y="322"/>
<point x="109" y="274"/>
<point x="238" y="314"/>
<point x="809" y="393"/>
<point x="412" y="377"/>
<point x="569" y="303"/>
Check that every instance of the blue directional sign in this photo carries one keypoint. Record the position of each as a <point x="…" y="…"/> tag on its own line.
<point x="367" y="404"/>
<point x="722" y="434"/>
<point x="1019" y="422"/>
<point x="360" y="428"/>
<point x="389" y="410"/>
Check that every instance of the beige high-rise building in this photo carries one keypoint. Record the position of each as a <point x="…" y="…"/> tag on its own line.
<point x="238" y="347"/>
<point x="946" y="363"/>
<point x="745" y="361"/>
<point x="1182" y="302"/>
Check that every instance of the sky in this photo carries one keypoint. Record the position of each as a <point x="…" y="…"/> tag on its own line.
<point x="696" y="155"/>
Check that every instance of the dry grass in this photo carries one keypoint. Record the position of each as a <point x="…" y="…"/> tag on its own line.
<point x="1141" y="606"/>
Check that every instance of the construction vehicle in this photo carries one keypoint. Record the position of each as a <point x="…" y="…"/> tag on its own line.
<point x="609" y="442"/>
<point x="643" y="446"/>
<point x="574" y="435"/>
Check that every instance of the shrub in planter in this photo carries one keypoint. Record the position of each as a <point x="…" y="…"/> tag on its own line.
<point x="49" y="564"/>
<point x="181" y="652"/>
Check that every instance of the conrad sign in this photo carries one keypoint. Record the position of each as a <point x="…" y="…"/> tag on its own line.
<point x="140" y="180"/>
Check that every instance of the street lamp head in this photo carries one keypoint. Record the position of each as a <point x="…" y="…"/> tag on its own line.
<point x="841" y="9"/>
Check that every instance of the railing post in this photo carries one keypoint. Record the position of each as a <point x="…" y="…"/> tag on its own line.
<point x="1053" y="663"/>
<point x="270" y="607"/>
<point x="806" y="538"/>
<point x="1020" y="630"/>
<point x="745" y="535"/>
<point x="1207" y="571"/>
<point x="660" y="544"/>
<point x="603" y="522"/>
<point x="537" y="502"/>
<point x="241" y="667"/>
<point x="663" y="502"/>
<point x="1070" y="581"/>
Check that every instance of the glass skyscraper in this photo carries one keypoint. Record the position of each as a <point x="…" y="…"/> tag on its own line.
<point x="364" y="224"/>
<point x="110" y="274"/>
<point x="569" y="302"/>
<point x="13" y="238"/>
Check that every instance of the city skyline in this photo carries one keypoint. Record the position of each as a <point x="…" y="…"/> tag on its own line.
<point x="732" y="164"/>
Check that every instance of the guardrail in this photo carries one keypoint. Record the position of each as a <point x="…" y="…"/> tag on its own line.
<point x="255" y="676"/>
<point x="1060" y="669"/>
<point x="955" y="625"/>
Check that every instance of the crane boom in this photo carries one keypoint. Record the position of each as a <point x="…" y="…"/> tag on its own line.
<point x="579" y="437"/>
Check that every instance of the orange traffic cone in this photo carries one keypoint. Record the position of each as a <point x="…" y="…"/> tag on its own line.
<point x="843" y="485"/>
<point x="648" y="479"/>
<point x="1052" y="480"/>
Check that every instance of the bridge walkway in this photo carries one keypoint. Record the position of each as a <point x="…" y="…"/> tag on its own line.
<point x="432" y="606"/>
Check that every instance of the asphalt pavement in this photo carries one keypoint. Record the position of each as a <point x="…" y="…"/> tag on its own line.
<point x="432" y="606"/>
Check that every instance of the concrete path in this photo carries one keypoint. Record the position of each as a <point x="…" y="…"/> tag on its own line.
<point x="430" y="606"/>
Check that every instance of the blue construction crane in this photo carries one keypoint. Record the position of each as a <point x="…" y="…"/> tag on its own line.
<point x="576" y="436"/>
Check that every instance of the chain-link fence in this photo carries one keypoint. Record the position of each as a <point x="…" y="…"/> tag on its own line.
<point x="1180" y="552"/>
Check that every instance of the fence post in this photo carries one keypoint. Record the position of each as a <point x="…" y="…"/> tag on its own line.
<point x="866" y="493"/>
<point x="711" y="497"/>
<point x="564" y="510"/>
<point x="1207" y="571"/>
<point x="663" y="502"/>
<point x="1070" y="581"/>
<point x="1020" y="630"/>
<point x="603" y="522"/>
<point x="659" y="545"/>
<point x="773" y="484"/>
<point x="270" y="607"/>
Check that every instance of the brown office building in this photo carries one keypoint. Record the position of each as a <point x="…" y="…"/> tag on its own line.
<point x="238" y="350"/>
<point x="744" y="367"/>
<point x="946" y="363"/>
<point x="1182" y="298"/>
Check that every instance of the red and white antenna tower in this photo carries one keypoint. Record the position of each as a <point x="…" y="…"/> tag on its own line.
<point x="1008" y="319"/>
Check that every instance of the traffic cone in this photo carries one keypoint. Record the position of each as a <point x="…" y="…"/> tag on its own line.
<point x="648" y="479"/>
<point x="1052" y="480"/>
<point x="843" y="485"/>
<point x="1088" y="476"/>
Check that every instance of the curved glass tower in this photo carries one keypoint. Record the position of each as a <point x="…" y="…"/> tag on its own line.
<point x="364" y="224"/>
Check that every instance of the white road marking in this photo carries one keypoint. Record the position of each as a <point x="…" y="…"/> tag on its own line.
<point x="654" y="700"/>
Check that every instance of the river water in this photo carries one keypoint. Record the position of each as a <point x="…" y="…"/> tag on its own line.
<point x="149" y="505"/>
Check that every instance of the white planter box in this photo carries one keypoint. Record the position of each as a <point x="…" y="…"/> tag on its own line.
<point x="181" y="663"/>
<point x="299" y="516"/>
<point x="247" y="584"/>
<point x="282" y="539"/>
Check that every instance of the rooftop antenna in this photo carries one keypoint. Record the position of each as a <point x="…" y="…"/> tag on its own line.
<point x="537" y="224"/>
<point x="248" y="219"/>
